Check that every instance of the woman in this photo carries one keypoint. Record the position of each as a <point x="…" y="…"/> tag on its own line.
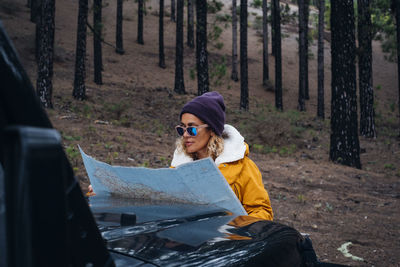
<point x="204" y="134"/>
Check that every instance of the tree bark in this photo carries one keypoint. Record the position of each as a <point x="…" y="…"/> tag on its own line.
<point x="101" y="34"/>
<point x="173" y="11"/>
<point x="35" y="10"/>
<point x="234" y="75"/>
<point x="278" y="55"/>
<point x="97" y="5"/>
<point x="367" y="113"/>
<point x="179" y="79"/>
<point x="306" y="19"/>
<point x="344" y="143"/>
<point x="44" y="87"/>
<point x="244" y="87"/>
<point x="265" y="43"/>
<point x="190" y="25"/>
<point x="201" y="47"/>
<point x="119" y="40"/>
<point x="140" y="22"/>
<point x="321" y="97"/>
<point x="397" y="15"/>
<point x="161" y="55"/>
<point x="302" y="55"/>
<point x="79" y="91"/>
<point x="272" y="28"/>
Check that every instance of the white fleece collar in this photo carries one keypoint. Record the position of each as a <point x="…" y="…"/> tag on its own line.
<point x="234" y="149"/>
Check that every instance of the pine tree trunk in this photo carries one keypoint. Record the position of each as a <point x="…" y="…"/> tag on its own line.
<point x="101" y="34"/>
<point x="161" y="55"/>
<point x="278" y="55"/>
<point x="35" y="10"/>
<point x="173" y="10"/>
<point x="79" y="91"/>
<point x="97" y="41"/>
<point x="321" y="97"/>
<point x="302" y="55"/>
<point x="179" y="79"/>
<point x="234" y="75"/>
<point x="201" y="47"/>
<point x="306" y="16"/>
<point x="367" y="113"/>
<point x="344" y="143"/>
<point x="140" y="22"/>
<point x="119" y="40"/>
<point x="272" y="28"/>
<point x="244" y="87"/>
<point x="265" y="44"/>
<point x="44" y="87"/>
<point x="397" y="11"/>
<point x="190" y="25"/>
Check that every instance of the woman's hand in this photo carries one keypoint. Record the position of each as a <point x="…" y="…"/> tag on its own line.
<point x="90" y="192"/>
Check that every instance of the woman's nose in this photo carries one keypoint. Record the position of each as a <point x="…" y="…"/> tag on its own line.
<point x="186" y="134"/>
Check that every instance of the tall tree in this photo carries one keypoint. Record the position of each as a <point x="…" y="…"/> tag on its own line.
<point x="98" y="62"/>
<point x="396" y="6"/>
<point x="302" y="54"/>
<point x="306" y="19"/>
<point x="201" y="47"/>
<point x="321" y="97"/>
<point x="364" y="30"/>
<point x="161" y="55"/>
<point x="79" y="91"/>
<point x="278" y="55"/>
<point x="173" y="10"/>
<point x="179" y="79"/>
<point x="35" y="10"/>
<point x="118" y="36"/>
<point x="272" y="28"/>
<point x="44" y="86"/>
<point x="234" y="75"/>
<point x="265" y="43"/>
<point x="140" y="22"/>
<point x="244" y="87"/>
<point x="190" y="26"/>
<point x="344" y="143"/>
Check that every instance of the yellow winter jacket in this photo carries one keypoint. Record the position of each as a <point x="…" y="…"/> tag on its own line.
<point x="241" y="173"/>
<point x="246" y="181"/>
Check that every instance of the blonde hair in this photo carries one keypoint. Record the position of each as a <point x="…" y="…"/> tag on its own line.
<point x="215" y="146"/>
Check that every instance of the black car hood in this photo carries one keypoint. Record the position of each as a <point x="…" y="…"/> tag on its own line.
<point x="171" y="234"/>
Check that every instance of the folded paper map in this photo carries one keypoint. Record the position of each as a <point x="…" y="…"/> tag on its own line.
<point x="199" y="182"/>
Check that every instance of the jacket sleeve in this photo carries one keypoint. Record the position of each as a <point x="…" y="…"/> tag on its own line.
<point x="254" y="197"/>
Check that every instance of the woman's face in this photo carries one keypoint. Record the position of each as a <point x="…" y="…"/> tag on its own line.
<point x="196" y="144"/>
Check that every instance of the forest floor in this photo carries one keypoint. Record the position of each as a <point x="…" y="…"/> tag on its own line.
<point x="130" y="119"/>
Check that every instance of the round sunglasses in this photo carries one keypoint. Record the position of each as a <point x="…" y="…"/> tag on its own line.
<point x="192" y="130"/>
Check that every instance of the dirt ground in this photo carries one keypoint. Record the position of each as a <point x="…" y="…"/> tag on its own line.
<point x="130" y="119"/>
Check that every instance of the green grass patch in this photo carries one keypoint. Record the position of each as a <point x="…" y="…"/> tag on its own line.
<point x="223" y="17"/>
<point x="389" y="166"/>
<point x="328" y="207"/>
<point x="301" y="198"/>
<point x="115" y="110"/>
<point x="71" y="138"/>
<point x="287" y="150"/>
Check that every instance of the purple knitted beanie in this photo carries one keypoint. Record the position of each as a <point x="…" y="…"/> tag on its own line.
<point x="210" y="108"/>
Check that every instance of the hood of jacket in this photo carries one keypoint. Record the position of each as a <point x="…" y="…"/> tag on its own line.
<point x="234" y="149"/>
